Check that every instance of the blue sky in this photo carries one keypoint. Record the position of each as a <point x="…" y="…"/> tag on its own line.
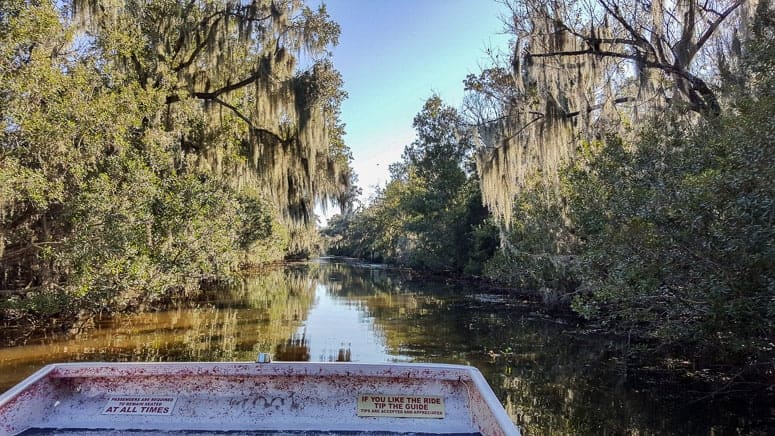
<point x="393" y="55"/>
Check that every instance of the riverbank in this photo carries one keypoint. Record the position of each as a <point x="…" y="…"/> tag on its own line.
<point x="631" y="355"/>
<point x="642" y="358"/>
<point x="26" y="314"/>
<point x="554" y="377"/>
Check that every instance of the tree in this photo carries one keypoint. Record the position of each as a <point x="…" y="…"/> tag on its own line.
<point x="665" y="38"/>
<point x="678" y="238"/>
<point x="582" y="69"/>
<point x="148" y="145"/>
<point x="227" y="73"/>
<point x="668" y="230"/>
<point x="429" y="215"/>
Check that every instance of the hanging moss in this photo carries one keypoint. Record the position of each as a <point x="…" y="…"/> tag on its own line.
<point x="257" y="120"/>
<point x="579" y="72"/>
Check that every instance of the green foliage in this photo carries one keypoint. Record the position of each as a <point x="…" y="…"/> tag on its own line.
<point x="684" y="250"/>
<point x="539" y="248"/>
<point x="128" y="162"/>
<point x="255" y="214"/>
<point x="429" y="215"/>
<point x="669" y="236"/>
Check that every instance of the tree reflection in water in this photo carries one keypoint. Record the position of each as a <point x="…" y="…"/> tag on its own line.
<point x="551" y="377"/>
<point x="294" y="348"/>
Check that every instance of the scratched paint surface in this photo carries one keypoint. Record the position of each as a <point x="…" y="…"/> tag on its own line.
<point x="87" y="432"/>
<point x="258" y="397"/>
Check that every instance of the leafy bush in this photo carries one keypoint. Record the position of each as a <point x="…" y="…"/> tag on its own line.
<point x="678" y="232"/>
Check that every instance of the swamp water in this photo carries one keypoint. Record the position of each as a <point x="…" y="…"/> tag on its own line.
<point x="550" y="377"/>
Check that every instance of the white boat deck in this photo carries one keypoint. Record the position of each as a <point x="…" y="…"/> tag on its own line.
<point x="246" y="398"/>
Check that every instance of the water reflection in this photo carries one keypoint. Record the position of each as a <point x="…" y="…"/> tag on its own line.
<point x="295" y="348"/>
<point x="342" y="329"/>
<point x="551" y="378"/>
<point x="232" y="325"/>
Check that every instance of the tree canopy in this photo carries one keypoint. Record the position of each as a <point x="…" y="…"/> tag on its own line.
<point x="626" y="151"/>
<point x="148" y="145"/>
<point x="429" y="213"/>
<point x="230" y="68"/>
<point x="581" y="69"/>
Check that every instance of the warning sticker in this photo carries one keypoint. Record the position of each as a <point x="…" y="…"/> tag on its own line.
<point x="401" y="406"/>
<point x="139" y="406"/>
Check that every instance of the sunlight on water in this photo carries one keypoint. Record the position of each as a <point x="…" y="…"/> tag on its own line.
<point x="338" y="329"/>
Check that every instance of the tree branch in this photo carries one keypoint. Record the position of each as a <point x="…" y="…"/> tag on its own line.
<point x="600" y="106"/>
<point x="589" y="39"/>
<point x="709" y="104"/>
<point x="712" y="28"/>
<point x="212" y="27"/>
<point x="214" y="94"/>
<point x="247" y="120"/>
<point x="200" y="46"/>
<point x="643" y="41"/>
<point x="539" y="116"/>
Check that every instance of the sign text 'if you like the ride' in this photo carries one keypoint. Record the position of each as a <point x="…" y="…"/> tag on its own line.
<point x="401" y="406"/>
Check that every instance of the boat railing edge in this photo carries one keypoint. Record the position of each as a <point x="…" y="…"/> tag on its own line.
<point x="440" y="371"/>
<point x="492" y="401"/>
<point x="12" y="393"/>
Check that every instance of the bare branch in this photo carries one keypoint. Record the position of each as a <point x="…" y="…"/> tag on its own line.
<point x="214" y="94"/>
<point x="636" y="35"/>
<point x="708" y="104"/>
<point x="619" y="100"/>
<point x="712" y="28"/>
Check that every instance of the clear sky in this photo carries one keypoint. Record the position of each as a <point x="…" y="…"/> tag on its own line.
<point x="393" y="55"/>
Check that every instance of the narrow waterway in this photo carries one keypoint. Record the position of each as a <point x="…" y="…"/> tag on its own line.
<point x="551" y="377"/>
